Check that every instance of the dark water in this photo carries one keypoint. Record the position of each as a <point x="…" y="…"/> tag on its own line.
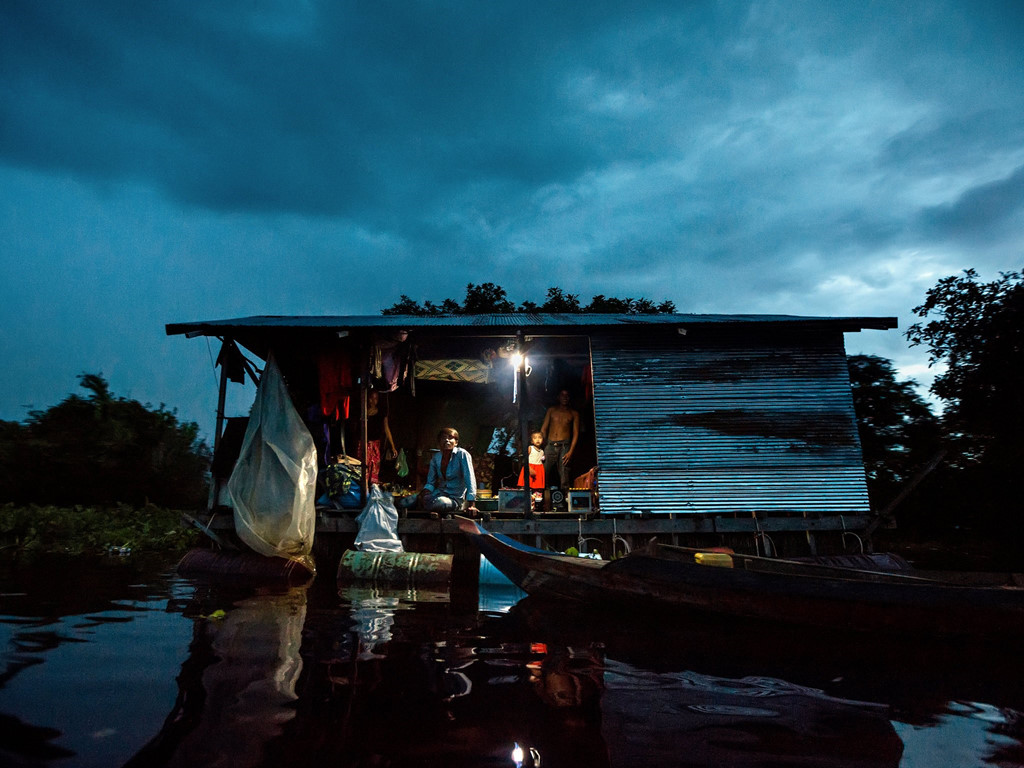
<point x="106" y="665"/>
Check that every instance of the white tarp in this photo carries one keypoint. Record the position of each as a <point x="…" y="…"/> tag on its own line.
<point x="273" y="486"/>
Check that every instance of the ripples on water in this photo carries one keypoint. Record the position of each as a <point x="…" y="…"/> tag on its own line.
<point x="104" y="665"/>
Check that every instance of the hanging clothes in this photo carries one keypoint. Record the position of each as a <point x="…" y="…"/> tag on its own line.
<point x="336" y="383"/>
<point x="389" y="361"/>
<point x="587" y="379"/>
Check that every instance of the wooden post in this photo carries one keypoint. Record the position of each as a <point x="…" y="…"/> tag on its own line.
<point x="524" y="436"/>
<point x="215" y="484"/>
<point x="221" y="397"/>
<point x="364" y="441"/>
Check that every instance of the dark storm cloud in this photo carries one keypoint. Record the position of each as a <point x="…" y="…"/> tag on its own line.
<point x="325" y="115"/>
<point x="341" y="108"/>
<point x="958" y="141"/>
<point x="198" y="160"/>
<point x="981" y="211"/>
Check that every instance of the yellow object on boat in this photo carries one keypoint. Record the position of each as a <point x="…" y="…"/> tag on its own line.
<point x="719" y="559"/>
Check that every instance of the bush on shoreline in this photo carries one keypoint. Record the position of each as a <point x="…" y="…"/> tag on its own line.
<point x="29" y="530"/>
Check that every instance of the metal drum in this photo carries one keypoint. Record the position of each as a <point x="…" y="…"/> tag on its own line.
<point x="398" y="569"/>
<point x="245" y="567"/>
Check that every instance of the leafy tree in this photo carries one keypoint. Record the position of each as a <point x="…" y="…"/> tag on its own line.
<point x="976" y="330"/>
<point x="560" y="302"/>
<point x="102" y="449"/>
<point x="629" y="306"/>
<point x="488" y="298"/>
<point x="899" y="434"/>
<point x="405" y="306"/>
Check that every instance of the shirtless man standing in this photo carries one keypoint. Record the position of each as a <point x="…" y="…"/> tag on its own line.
<point x="561" y="430"/>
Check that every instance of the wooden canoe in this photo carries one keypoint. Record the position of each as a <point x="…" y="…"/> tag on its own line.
<point x="791" y="591"/>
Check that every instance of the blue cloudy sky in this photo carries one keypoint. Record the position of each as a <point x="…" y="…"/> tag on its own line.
<point x="175" y="161"/>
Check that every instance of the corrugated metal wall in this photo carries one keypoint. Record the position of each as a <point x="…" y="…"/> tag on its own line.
<point x="725" y="426"/>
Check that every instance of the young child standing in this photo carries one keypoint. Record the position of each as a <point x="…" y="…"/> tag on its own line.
<point x="535" y="461"/>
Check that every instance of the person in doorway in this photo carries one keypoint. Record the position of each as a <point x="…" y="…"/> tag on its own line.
<point x="535" y="461"/>
<point x="561" y="431"/>
<point x="451" y="482"/>
<point x="377" y="432"/>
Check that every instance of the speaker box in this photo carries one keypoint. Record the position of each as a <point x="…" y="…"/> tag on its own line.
<point x="510" y="498"/>
<point x="559" y="503"/>
<point x="579" y="500"/>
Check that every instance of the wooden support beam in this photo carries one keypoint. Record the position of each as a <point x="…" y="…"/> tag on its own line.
<point x="600" y="526"/>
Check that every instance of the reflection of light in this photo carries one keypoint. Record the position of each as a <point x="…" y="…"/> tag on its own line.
<point x="518" y="756"/>
<point x="517" y="360"/>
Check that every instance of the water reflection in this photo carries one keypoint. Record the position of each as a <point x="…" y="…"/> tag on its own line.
<point x="369" y="677"/>
<point x="692" y="719"/>
<point x="372" y="610"/>
<point x="239" y="686"/>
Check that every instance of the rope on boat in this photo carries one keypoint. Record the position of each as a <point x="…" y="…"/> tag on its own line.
<point x="850" y="533"/>
<point x="581" y="541"/>
<point x="626" y="549"/>
<point x="769" y="545"/>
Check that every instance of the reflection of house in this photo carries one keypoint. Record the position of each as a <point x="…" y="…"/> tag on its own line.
<point x="707" y="418"/>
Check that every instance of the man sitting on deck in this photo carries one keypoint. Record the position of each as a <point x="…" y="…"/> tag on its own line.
<point x="451" y="482"/>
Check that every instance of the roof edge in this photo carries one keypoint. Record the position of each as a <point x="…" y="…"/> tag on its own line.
<point x="515" y="321"/>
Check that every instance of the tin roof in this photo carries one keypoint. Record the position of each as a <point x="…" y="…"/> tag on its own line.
<point x="515" y="321"/>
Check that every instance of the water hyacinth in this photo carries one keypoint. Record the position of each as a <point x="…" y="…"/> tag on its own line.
<point x="120" y="531"/>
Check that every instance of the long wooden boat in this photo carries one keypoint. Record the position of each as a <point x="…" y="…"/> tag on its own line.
<point x="791" y="591"/>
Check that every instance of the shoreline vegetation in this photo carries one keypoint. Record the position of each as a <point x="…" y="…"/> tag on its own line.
<point x="120" y="530"/>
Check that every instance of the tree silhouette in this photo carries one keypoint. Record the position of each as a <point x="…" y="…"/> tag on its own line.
<point x="102" y="449"/>
<point x="976" y="330"/>
<point x="487" y="298"/>
<point x="899" y="434"/>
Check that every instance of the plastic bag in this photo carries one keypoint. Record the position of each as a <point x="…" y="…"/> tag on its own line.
<point x="401" y="464"/>
<point x="273" y="485"/>
<point x="378" y="524"/>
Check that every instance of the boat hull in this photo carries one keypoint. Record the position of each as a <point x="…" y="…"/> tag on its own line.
<point x="781" y="591"/>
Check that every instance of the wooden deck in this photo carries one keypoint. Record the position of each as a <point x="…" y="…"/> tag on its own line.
<point x="793" y="535"/>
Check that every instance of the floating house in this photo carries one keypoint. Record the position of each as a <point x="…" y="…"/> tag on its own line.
<point x="727" y="428"/>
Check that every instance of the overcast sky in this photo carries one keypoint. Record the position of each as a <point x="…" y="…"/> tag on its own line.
<point x="176" y="161"/>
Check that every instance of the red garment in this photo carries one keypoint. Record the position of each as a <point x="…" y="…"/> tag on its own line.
<point x="587" y="379"/>
<point x="536" y="476"/>
<point x="335" y="369"/>
<point x="373" y="461"/>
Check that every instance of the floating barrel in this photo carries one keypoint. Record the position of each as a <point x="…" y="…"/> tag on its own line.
<point x="399" y="569"/>
<point x="244" y="567"/>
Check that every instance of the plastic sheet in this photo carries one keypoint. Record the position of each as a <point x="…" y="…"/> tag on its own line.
<point x="273" y="486"/>
<point x="378" y="524"/>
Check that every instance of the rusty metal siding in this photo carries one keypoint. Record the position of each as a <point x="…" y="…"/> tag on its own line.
<point x="727" y="426"/>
